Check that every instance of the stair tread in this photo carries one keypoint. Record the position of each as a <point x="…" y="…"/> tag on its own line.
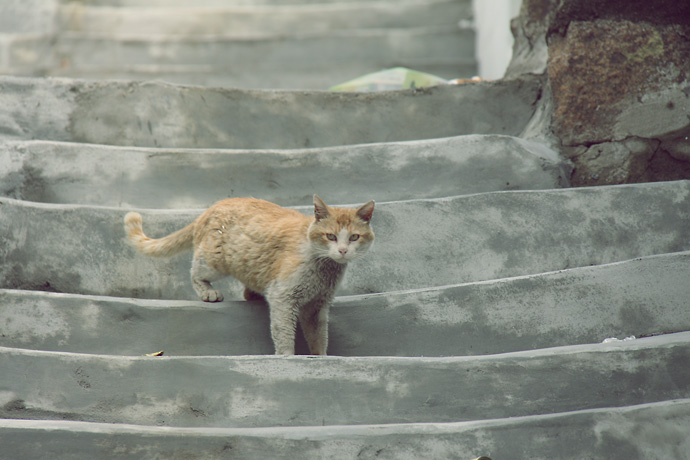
<point x="177" y="178"/>
<point x="638" y="297"/>
<point x="269" y="390"/>
<point x="259" y="21"/>
<point x="610" y="433"/>
<point x="156" y="114"/>
<point x="448" y="240"/>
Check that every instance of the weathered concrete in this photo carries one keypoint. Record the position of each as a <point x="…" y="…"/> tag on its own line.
<point x="285" y="79"/>
<point x="301" y="391"/>
<point x="249" y="20"/>
<point x="446" y="241"/>
<point x="630" y="433"/>
<point x="425" y="49"/>
<point x="210" y="3"/>
<point x="308" y="45"/>
<point x="585" y="305"/>
<point x="177" y="178"/>
<point x="156" y="114"/>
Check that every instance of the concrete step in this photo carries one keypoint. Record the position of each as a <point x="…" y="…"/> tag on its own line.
<point x="291" y="45"/>
<point x="156" y="114"/>
<point x="305" y="54"/>
<point x="249" y="20"/>
<point x="285" y="79"/>
<point x="56" y="172"/>
<point x="421" y="243"/>
<point x="641" y="297"/>
<point x="640" y="431"/>
<point x="166" y="4"/>
<point x="301" y="391"/>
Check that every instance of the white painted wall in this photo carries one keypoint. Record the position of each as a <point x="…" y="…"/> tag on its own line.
<point x="494" y="39"/>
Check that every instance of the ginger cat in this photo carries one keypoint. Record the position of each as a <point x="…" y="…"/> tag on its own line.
<point x="294" y="261"/>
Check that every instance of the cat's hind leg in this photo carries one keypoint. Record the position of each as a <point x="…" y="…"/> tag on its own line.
<point x="202" y="275"/>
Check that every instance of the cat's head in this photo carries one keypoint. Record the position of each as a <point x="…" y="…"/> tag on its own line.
<point x="339" y="233"/>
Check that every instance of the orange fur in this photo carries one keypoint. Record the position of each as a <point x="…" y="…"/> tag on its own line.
<point x="294" y="261"/>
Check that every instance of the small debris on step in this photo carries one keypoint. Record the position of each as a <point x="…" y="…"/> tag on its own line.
<point x="158" y="353"/>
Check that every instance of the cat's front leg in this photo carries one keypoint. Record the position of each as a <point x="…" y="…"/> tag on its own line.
<point x="283" y="315"/>
<point x="314" y="321"/>
<point x="250" y="295"/>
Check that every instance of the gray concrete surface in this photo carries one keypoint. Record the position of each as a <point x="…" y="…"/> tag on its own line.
<point x="156" y="114"/>
<point x="315" y="79"/>
<point x="307" y="45"/>
<point x="631" y="433"/>
<point x="303" y="391"/>
<point x="246" y="20"/>
<point x="447" y="50"/>
<point x="585" y="305"/>
<point x="56" y="172"/>
<point x="214" y="3"/>
<point x="420" y="243"/>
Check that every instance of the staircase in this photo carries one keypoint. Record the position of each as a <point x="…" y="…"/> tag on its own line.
<point x="500" y="313"/>
<point x="305" y="44"/>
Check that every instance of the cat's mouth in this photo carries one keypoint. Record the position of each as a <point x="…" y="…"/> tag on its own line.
<point x="341" y="258"/>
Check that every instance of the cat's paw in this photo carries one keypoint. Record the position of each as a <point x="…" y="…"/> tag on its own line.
<point x="212" y="296"/>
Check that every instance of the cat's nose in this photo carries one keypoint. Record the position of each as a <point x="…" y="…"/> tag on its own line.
<point x="343" y="251"/>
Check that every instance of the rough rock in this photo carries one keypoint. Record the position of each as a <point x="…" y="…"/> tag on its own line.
<point x="541" y="18"/>
<point x="635" y="84"/>
<point x="619" y="80"/>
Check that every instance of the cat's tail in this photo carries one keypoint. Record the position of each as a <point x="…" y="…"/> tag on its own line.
<point x="167" y="246"/>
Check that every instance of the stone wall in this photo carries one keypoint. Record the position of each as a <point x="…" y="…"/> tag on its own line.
<point x="617" y="95"/>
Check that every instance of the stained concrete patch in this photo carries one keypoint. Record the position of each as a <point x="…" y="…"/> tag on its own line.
<point x="614" y="433"/>
<point x="258" y="19"/>
<point x="155" y="114"/>
<point x="104" y="325"/>
<point x="420" y="243"/>
<point x="585" y="305"/>
<point x="296" y="391"/>
<point x="638" y="298"/>
<point x="185" y="178"/>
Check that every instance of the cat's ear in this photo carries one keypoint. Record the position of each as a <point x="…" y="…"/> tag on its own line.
<point x="320" y="209"/>
<point x="366" y="211"/>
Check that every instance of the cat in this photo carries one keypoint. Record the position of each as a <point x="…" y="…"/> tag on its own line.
<point x="295" y="262"/>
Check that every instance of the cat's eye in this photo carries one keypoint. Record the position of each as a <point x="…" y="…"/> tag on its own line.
<point x="354" y="237"/>
<point x="331" y="237"/>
